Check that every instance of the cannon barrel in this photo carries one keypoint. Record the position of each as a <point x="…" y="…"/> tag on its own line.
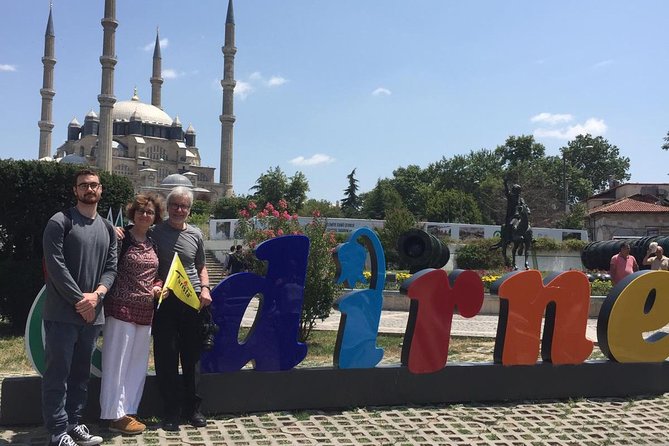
<point x="421" y="250"/>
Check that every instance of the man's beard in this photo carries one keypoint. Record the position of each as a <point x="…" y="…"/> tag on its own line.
<point x="89" y="198"/>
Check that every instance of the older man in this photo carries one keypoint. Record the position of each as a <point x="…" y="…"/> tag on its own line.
<point x="657" y="260"/>
<point x="177" y="327"/>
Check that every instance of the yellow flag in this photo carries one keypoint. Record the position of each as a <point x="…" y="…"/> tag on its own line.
<point x="177" y="281"/>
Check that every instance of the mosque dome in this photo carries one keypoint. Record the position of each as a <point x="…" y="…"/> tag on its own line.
<point x="175" y="180"/>
<point x="124" y="110"/>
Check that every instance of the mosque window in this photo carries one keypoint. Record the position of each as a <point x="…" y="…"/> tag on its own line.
<point x="157" y="153"/>
<point x="163" y="172"/>
<point x="122" y="169"/>
<point x="202" y="177"/>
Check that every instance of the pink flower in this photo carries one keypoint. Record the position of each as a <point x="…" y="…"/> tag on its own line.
<point x="270" y="233"/>
<point x="279" y="231"/>
<point x="244" y="213"/>
<point x="294" y="217"/>
<point x="275" y="213"/>
<point x="269" y="207"/>
<point x="285" y="215"/>
<point x="316" y="213"/>
<point x="283" y="204"/>
<point x="252" y="205"/>
<point x="262" y="214"/>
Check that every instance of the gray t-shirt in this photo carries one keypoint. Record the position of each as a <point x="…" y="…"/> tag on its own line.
<point x="76" y="264"/>
<point x="188" y="242"/>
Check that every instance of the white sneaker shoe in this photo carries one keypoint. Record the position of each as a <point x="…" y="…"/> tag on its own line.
<point x="81" y="435"/>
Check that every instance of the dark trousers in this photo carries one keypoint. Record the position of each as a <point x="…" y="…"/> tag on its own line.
<point x="68" y="350"/>
<point x="177" y="337"/>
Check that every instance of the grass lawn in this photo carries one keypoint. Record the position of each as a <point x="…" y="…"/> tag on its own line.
<point x="13" y="358"/>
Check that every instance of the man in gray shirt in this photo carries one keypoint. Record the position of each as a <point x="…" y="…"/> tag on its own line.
<point x="80" y="260"/>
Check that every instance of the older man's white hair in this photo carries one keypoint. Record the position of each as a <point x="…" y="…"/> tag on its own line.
<point x="180" y="191"/>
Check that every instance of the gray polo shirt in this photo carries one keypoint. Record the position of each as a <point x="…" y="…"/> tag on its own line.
<point x="76" y="264"/>
<point x="188" y="243"/>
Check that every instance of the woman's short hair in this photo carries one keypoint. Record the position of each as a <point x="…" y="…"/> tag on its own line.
<point x="180" y="191"/>
<point x="142" y="200"/>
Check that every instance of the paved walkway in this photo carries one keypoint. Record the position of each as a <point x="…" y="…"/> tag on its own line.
<point x="611" y="421"/>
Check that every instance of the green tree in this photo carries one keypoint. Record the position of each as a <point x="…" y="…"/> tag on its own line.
<point x="229" y="207"/>
<point x="665" y="146"/>
<point x="411" y="183"/>
<point x="270" y="187"/>
<point x="350" y="204"/>
<point x="452" y="205"/>
<point x="575" y="219"/>
<point x="274" y="185"/>
<point x="381" y="199"/>
<point x="597" y="159"/>
<point x="324" y="207"/>
<point x="518" y="149"/>
<point x="397" y="222"/>
<point x="201" y="207"/>
<point x="296" y="191"/>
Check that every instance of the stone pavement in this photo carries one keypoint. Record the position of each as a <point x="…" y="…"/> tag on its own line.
<point x="610" y="421"/>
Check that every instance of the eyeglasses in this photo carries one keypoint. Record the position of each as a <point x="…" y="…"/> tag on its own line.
<point x="148" y="212"/>
<point x="177" y="207"/>
<point x="86" y="186"/>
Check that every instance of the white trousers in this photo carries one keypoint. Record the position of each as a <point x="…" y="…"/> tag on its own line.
<point x="125" y="359"/>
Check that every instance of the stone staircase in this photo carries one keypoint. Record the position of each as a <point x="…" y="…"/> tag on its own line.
<point x="215" y="268"/>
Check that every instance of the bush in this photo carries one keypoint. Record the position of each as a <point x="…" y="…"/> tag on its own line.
<point x="32" y="192"/>
<point x="600" y="287"/>
<point x="545" y="244"/>
<point x="573" y="245"/>
<point x="477" y="254"/>
<point x="320" y="288"/>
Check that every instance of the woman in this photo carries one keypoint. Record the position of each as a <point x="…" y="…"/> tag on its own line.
<point x="129" y="313"/>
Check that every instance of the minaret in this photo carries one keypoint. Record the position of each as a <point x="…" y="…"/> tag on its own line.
<point x="227" y="117"/>
<point x="49" y="60"/>
<point x="106" y="97"/>
<point x="156" y="77"/>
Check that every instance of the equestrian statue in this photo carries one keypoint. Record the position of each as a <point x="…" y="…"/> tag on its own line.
<point x="516" y="228"/>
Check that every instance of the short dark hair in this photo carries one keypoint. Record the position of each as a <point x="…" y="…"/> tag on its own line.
<point x="239" y="247"/>
<point x="625" y="245"/>
<point x="83" y="172"/>
<point x="141" y="200"/>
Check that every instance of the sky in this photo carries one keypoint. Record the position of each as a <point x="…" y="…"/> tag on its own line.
<point x="324" y="87"/>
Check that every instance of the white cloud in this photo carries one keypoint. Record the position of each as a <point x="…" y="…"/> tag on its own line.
<point x="593" y="126"/>
<point x="243" y="89"/>
<point x="381" y="92"/>
<point x="171" y="73"/>
<point x="255" y="76"/>
<point x="315" y="160"/>
<point x="551" y="118"/>
<point x="603" y="63"/>
<point x="164" y="42"/>
<point x="275" y="81"/>
<point x="7" y="67"/>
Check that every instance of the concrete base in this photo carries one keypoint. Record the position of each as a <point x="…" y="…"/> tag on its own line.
<point x="328" y="388"/>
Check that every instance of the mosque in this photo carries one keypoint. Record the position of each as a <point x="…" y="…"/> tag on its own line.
<point x="135" y="139"/>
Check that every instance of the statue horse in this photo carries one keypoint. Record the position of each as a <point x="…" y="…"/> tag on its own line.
<point x="519" y="232"/>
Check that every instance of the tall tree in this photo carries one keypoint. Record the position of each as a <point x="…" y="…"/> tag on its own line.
<point x="324" y="207"/>
<point x="517" y="149"/>
<point x="350" y="204"/>
<point x="380" y="200"/>
<point x="452" y="205"/>
<point x="411" y="183"/>
<point x="598" y="160"/>
<point x="296" y="192"/>
<point x="665" y="146"/>
<point x="270" y="187"/>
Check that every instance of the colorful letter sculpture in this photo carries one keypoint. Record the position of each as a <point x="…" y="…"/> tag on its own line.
<point x="272" y="342"/>
<point x="360" y="310"/>
<point x="434" y="295"/>
<point x="565" y="299"/>
<point x="636" y="305"/>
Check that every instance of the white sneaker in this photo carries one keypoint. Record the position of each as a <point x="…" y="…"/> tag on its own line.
<point x="64" y="440"/>
<point x="83" y="437"/>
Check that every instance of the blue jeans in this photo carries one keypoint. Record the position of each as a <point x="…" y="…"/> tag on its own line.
<point x="68" y="352"/>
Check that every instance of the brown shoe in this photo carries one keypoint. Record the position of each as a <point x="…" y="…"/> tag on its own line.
<point x="127" y="425"/>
